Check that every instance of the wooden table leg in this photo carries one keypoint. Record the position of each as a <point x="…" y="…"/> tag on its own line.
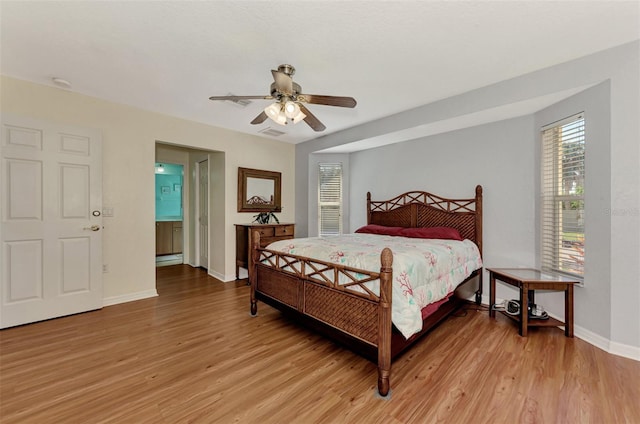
<point x="524" y="314"/>
<point x="492" y="294"/>
<point x="568" y="311"/>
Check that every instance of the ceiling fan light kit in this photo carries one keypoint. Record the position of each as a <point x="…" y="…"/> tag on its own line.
<point x="274" y="111"/>
<point x="288" y="107"/>
<point x="291" y="109"/>
<point x="283" y="114"/>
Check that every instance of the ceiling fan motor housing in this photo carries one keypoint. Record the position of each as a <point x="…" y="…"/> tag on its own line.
<point x="278" y="95"/>
<point x="287" y="69"/>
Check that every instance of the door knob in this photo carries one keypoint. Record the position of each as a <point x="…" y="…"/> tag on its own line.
<point x="92" y="228"/>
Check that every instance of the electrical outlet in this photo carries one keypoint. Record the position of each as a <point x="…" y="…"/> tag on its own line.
<point x="105" y="268"/>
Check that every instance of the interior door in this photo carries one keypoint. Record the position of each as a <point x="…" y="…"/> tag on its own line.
<point x="51" y="223"/>
<point x="203" y="213"/>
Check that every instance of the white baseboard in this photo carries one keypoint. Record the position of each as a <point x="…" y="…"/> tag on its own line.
<point x="607" y="345"/>
<point x="230" y="277"/>
<point x="114" y="300"/>
<point x="219" y="276"/>
<point x="619" y="349"/>
<point x="625" y="351"/>
<point x="222" y="277"/>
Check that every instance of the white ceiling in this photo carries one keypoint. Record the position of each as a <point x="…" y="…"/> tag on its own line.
<point x="170" y="56"/>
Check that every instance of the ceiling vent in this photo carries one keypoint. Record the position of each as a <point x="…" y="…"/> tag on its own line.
<point x="270" y="131"/>
<point x="242" y="103"/>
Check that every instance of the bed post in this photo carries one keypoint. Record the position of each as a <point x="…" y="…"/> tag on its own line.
<point x="479" y="217"/>
<point x="479" y="239"/>
<point x="384" y="322"/>
<point x="253" y="275"/>
<point x="368" y="207"/>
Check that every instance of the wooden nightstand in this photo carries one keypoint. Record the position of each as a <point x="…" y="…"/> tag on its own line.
<point x="268" y="234"/>
<point x="528" y="280"/>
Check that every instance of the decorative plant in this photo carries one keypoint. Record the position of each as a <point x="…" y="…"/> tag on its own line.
<point x="265" y="217"/>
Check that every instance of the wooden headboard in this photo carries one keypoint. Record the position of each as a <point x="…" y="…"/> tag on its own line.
<point x="423" y="209"/>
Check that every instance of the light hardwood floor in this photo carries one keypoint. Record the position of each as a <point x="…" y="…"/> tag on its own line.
<point x="195" y="355"/>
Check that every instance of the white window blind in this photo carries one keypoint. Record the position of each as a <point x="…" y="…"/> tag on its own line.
<point x="563" y="152"/>
<point x="330" y="198"/>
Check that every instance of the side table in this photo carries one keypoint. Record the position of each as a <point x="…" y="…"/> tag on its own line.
<point x="528" y="280"/>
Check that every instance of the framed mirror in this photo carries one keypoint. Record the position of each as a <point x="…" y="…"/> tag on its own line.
<point x="258" y="191"/>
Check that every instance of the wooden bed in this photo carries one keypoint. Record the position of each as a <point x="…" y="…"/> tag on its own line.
<point x="308" y="289"/>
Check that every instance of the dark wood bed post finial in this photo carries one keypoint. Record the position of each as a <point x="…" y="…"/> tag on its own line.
<point x="253" y="274"/>
<point x="368" y="207"/>
<point x="384" y="317"/>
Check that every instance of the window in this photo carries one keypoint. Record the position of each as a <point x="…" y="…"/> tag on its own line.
<point x="330" y="199"/>
<point x="563" y="243"/>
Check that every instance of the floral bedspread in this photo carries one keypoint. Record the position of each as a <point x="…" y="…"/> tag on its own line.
<point x="424" y="270"/>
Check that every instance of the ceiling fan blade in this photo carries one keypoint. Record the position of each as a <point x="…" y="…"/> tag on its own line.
<point x="284" y="83"/>
<point x="327" y="100"/>
<point x="311" y="120"/>
<point x="259" y="119"/>
<point x="236" y="98"/>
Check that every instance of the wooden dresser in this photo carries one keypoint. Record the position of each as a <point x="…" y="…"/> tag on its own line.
<point x="268" y="234"/>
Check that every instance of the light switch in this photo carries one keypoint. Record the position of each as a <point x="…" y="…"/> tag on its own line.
<point x="107" y="211"/>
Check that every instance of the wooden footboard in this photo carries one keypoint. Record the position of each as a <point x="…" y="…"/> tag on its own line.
<point x="321" y="292"/>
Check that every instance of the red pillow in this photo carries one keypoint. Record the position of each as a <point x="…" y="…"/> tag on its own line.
<point x="380" y="229"/>
<point x="447" y="233"/>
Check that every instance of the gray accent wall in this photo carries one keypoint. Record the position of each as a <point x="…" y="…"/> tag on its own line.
<point x="596" y="292"/>
<point x="503" y="156"/>
<point x="498" y="156"/>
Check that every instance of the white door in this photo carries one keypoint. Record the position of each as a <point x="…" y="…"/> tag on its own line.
<point x="203" y="213"/>
<point x="51" y="223"/>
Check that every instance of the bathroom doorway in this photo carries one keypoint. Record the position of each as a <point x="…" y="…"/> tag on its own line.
<point x="169" y="213"/>
<point x="203" y="205"/>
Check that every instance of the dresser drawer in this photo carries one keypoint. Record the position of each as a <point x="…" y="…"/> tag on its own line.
<point x="264" y="242"/>
<point x="265" y="232"/>
<point x="285" y="230"/>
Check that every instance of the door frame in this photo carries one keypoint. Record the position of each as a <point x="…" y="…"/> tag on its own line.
<point x="196" y="212"/>
<point x="217" y="211"/>
<point x="186" y="186"/>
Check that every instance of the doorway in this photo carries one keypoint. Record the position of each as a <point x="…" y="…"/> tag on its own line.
<point x="169" y="181"/>
<point x="51" y="231"/>
<point x="202" y="201"/>
<point x="204" y="222"/>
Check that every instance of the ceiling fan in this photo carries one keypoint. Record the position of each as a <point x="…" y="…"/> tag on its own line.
<point x="288" y="107"/>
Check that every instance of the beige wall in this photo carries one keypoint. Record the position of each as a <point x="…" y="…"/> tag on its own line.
<point x="129" y="137"/>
